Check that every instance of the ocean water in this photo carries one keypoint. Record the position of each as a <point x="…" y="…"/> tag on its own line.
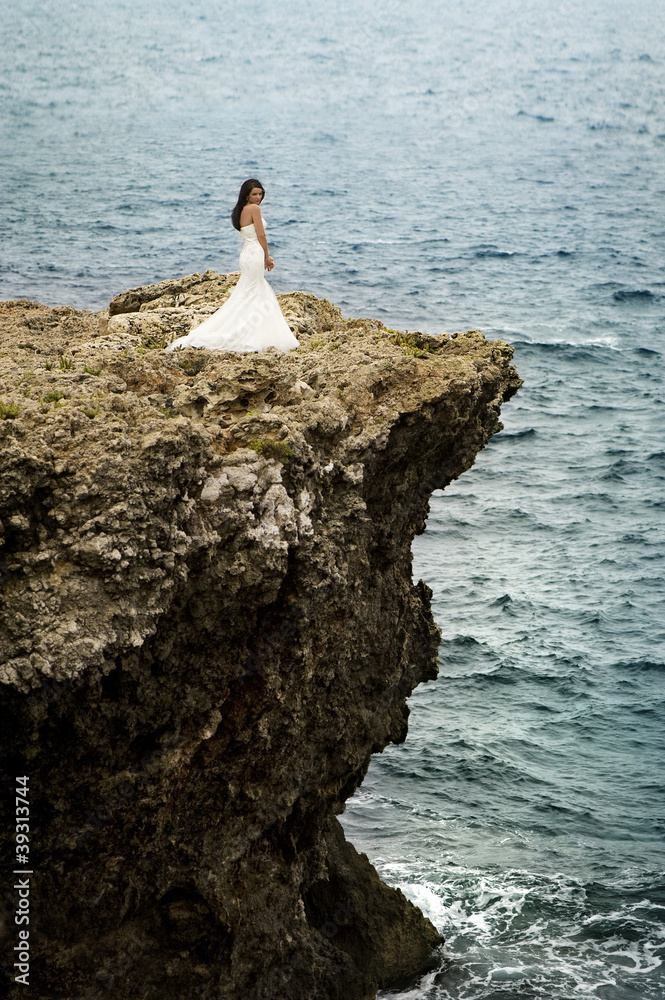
<point x="525" y="812"/>
<point x="441" y="166"/>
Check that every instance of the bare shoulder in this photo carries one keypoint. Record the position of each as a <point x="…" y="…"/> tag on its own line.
<point x="249" y="214"/>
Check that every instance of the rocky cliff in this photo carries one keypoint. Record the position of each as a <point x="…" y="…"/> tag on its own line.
<point x="208" y="625"/>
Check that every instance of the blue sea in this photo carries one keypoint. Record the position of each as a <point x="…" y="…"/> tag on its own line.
<point x="487" y="164"/>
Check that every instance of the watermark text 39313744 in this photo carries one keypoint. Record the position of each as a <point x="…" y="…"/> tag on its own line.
<point x="22" y="873"/>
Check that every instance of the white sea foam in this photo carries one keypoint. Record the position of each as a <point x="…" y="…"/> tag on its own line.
<point x="529" y="930"/>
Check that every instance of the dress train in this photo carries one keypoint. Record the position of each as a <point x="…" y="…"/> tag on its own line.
<point x="251" y="318"/>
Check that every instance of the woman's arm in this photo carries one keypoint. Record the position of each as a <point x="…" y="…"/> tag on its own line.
<point x="261" y="234"/>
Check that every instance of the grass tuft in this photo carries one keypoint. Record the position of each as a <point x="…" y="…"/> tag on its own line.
<point x="155" y="342"/>
<point x="415" y="345"/>
<point x="279" y="450"/>
<point x="8" y="410"/>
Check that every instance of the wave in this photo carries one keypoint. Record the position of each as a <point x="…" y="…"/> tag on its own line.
<point x="566" y="345"/>
<point x="495" y="253"/>
<point x="538" y="118"/>
<point x="642" y="666"/>
<point x="605" y="126"/>
<point x="529" y="432"/>
<point x="529" y="935"/>
<point x="621" y="468"/>
<point x="633" y="295"/>
<point x="646" y="351"/>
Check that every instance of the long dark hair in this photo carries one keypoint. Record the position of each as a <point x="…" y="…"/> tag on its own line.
<point x="245" y="192"/>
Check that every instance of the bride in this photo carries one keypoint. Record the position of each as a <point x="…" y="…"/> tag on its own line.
<point x="250" y="319"/>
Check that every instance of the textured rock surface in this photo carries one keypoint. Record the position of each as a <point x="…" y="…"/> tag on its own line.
<point x="208" y="625"/>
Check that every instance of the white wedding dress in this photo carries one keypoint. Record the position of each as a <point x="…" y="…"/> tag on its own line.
<point x="250" y="319"/>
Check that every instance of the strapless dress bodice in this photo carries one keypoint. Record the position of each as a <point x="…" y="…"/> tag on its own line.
<point x="248" y="234"/>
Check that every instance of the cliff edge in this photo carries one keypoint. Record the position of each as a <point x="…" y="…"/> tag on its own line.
<point x="208" y="626"/>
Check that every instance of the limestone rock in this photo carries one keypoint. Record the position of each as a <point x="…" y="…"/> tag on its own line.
<point x="208" y="625"/>
<point x="193" y="289"/>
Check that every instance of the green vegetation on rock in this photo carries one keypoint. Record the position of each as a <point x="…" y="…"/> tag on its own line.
<point x="279" y="450"/>
<point x="8" y="410"/>
<point x="417" y="345"/>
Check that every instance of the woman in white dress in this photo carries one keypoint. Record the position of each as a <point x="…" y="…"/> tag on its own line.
<point x="250" y="319"/>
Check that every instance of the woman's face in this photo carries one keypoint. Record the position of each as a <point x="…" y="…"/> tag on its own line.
<point x="255" y="196"/>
